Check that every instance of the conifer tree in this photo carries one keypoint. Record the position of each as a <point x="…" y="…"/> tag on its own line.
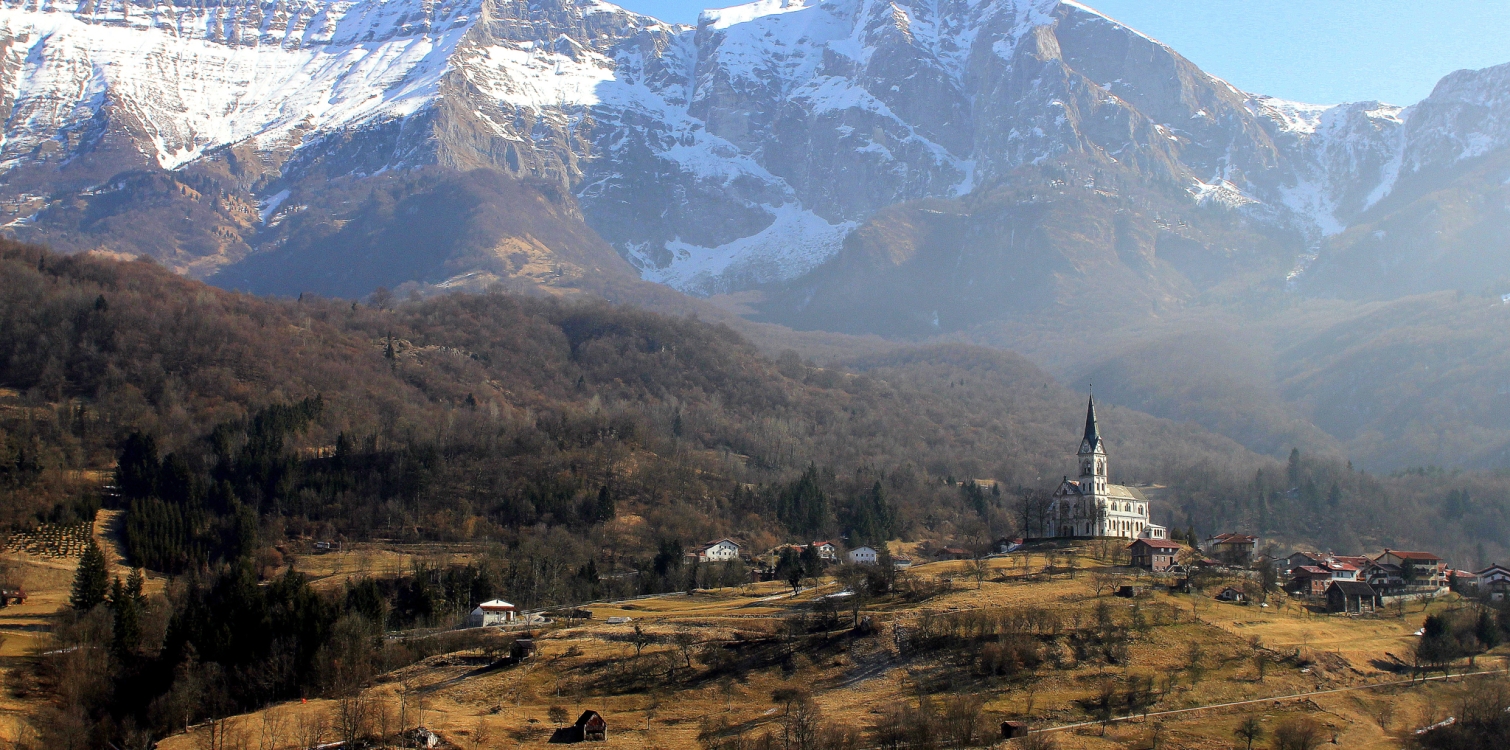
<point x="92" y="580"/>
<point x="127" y="610"/>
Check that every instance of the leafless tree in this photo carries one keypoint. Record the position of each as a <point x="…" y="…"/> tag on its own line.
<point x="310" y="728"/>
<point x="1102" y="581"/>
<point x="640" y="639"/>
<point x="802" y="723"/>
<point x="273" y="729"/>
<point x="352" y="718"/>
<point x="980" y="567"/>
<point x="685" y="642"/>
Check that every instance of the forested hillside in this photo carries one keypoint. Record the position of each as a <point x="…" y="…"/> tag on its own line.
<point x="601" y="433"/>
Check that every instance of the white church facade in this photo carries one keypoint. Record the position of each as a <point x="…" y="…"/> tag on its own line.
<point x="1090" y="505"/>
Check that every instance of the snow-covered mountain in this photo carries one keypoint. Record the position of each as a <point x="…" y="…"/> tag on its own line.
<point x="739" y="152"/>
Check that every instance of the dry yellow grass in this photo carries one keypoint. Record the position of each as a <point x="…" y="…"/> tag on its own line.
<point x="856" y="679"/>
<point x="376" y="560"/>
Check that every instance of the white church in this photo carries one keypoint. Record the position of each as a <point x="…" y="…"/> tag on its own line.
<point x="1090" y="506"/>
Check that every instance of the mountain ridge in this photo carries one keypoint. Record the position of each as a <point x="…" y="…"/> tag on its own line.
<point x="735" y="153"/>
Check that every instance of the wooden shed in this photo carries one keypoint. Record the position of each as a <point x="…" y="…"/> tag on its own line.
<point x="1351" y="597"/>
<point x="1013" y="729"/>
<point x="592" y="726"/>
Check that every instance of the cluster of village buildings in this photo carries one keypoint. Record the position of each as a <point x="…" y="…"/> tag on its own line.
<point x="1347" y="583"/>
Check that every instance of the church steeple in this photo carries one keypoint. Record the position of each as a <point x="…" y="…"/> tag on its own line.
<point x="1092" y="454"/>
<point x="1092" y="441"/>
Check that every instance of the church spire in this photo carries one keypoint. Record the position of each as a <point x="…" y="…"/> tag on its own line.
<point x="1092" y="441"/>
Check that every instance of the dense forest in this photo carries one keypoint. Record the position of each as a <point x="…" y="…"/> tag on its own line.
<point x="585" y="444"/>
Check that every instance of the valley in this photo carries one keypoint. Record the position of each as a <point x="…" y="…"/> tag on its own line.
<point x="328" y="325"/>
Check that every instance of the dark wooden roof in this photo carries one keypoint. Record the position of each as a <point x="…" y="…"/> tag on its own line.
<point x="1353" y="588"/>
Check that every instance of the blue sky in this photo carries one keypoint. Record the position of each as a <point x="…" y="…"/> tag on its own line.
<point x="1320" y="51"/>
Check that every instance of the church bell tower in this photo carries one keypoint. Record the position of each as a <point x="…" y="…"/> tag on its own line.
<point x="1092" y="455"/>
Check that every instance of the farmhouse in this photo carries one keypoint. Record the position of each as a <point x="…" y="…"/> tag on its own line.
<point x="1341" y="571"/>
<point x="1351" y="597"/>
<point x="861" y="556"/>
<point x="1386" y="578"/>
<point x="1309" y="580"/>
<point x="490" y="613"/>
<point x="826" y="550"/>
<point x="723" y="550"/>
<point x="1494" y="581"/>
<point x="1232" y="594"/>
<point x="1231" y="549"/>
<point x="1090" y="505"/>
<point x="1287" y="565"/>
<point x="952" y="553"/>
<point x="1156" y="555"/>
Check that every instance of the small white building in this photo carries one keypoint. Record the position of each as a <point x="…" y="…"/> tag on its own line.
<point x="826" y="550"/>
<point x="861" y="556"/>
<point x="490" y="613"/>
<point x="723" y="550"/>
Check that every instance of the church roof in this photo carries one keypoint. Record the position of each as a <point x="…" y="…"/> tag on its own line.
<point x="1113" y="491"/>
<point x="1092" y="441"/>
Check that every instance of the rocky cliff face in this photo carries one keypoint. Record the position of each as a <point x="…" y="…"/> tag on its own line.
<point x="737" y="153"/>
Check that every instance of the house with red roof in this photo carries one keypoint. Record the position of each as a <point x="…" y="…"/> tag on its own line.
<point x="1417" y="568"/>
<point x="1156" y="555"/>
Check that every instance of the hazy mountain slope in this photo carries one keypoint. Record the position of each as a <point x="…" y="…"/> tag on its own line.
<point x="478" y="228"/>
<point x="1438" y="221"/>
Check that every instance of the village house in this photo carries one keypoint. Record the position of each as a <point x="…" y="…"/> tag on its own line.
<point x="1494" y="581"/>
<point x="491" y="613"/>
<point x="1232" y="594"/>
<point x="1342" y="571"/>
<point x="1157" y="555"/>
<point x="1287" y="565"/>
<point x="826" y="550"/>
<point x="1004" y="545"/>
<point x="1385" y="578"/>
<point x="1309" y="580"/>
<point x="723" y="550"/>
<point x="1359" y="562"/>
<point x="861" y="556"/>
<point x="1417" y="568"/>
<point x="1231" y="548"/>
<point x="952" y="553"/>
<point x="1351" y="597"/>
